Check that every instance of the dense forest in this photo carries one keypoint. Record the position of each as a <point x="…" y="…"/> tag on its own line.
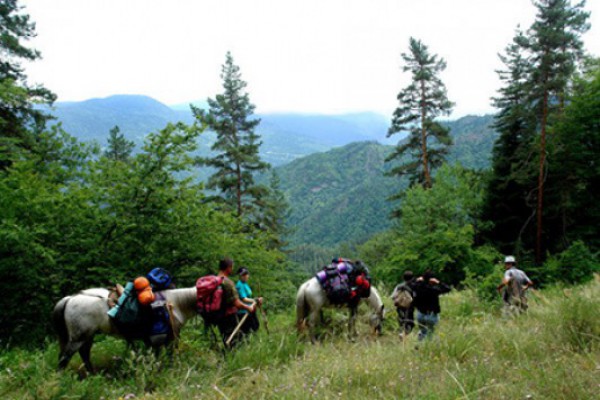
<point x="449" y="195"/>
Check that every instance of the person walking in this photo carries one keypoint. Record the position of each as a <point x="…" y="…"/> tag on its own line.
<point x="245" y="294"/>
<point x="403" y="297"/>
<point x="515" y="284"/>
<point x="427" y="290"/>
<point x="231" y="301"/>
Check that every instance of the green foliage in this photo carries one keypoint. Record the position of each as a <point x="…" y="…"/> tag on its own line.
<point x="576" y="264"/>
<point x="423" y="100"/>
<point x="237" y="146"/>
<point x="20" y="120"/>
<point x="119" y="148"/>
<point x="436" y="230"/>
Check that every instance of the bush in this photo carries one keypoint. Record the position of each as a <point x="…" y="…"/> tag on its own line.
<point x="577" y="264"/>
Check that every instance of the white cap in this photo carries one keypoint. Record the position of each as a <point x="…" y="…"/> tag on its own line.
<point x="509" y="259"/>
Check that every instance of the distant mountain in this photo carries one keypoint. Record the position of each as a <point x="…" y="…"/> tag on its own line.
<point x="285" y="136"/>
<point x="341" y="195"/>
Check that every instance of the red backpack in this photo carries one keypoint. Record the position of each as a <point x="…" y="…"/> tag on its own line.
<point x="209" y="295"/>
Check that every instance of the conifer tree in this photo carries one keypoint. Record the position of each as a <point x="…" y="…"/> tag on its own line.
<point x="556" y="47"/>
<point x="421" y="102"/>
<point x="119" y="148"/>
<point x="237" y="158"/>
<point x="19" y="119"/>
<point x="509" y="193"/>
<point x="275" y="210"/>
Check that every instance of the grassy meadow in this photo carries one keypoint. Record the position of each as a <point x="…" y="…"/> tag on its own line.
<point x="553" y="352"/>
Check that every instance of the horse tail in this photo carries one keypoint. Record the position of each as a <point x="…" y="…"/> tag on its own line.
<point x="301" y="307"/>
<point x="60" y="325"/>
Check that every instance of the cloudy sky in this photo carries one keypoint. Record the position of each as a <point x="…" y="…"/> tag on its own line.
<point x="310" y="56"/>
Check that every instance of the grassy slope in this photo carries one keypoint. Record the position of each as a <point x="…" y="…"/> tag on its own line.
<point x="552" y="353"/>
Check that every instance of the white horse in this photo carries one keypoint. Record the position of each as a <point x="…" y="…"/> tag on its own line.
<point x="311" y="298"/>
<point x="79" y="317"/>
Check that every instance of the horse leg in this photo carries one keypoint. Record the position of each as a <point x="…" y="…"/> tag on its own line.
<point x="65" y="355"/>
<point x="84" y="352"/>
<point x="352" y="322"/>
<point x="313" y="321"/>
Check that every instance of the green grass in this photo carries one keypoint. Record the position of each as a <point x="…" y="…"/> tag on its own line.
<point x="553" y="352"/>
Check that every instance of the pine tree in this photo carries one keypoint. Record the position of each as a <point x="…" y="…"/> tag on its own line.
<point x="19" y="119"/>
<point x="119" y="148"/>
<point x="237" y="144"/>
<point x="275" y="210"/>
<point x="420" y="103"/>
<point x="508" y="199"/>
<point x="556" y="47"/>
<point x="573" y="210"/>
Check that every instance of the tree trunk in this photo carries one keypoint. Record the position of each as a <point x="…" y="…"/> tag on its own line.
<point x="239" y="190"/>
<point x="540" y="202"/>
<point x="427" y="183"/>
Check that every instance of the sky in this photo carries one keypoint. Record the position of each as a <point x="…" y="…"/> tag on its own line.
<point x="303" y="56"/>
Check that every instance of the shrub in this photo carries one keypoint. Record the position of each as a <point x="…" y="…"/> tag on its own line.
<point x="577" y="264"/>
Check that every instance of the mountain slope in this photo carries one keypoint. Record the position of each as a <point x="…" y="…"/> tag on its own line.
<point x="341" y="195"/>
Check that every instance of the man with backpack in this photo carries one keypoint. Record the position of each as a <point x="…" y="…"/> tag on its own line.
<point x="403" y="296"/>
<point x="218" y="301"/>
<point x="427" y="290"/>
<point x="515" y="283"/>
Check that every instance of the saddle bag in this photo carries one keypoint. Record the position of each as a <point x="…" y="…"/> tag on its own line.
<point x="161" y="323"/>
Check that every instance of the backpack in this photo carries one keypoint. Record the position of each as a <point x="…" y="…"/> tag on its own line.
<point x="130" y="317"/>
<point x="209" y="298"/>
<point x="161" y="323"/>
<point x="338" y="288"/>
<point x="159" y="278"/>
<point x="403" y="298"/>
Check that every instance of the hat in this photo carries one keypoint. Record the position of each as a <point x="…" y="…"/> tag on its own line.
<point x="509" y="259"/>
<point x="243" y="271"/>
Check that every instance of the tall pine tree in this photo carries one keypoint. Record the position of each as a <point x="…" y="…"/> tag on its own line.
<point x="237" y="158"/>
<point x="421" y="102"/>
<point x="20" y="121"/>
<point x="509" y="196"/>
<point x="556" y="47"/>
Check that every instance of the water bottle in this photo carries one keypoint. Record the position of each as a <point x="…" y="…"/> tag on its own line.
<point x="126" y="292"/>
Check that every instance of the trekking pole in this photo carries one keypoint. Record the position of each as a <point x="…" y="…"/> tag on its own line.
<point x="237" y="328"/>
<point x="263" y="314"/>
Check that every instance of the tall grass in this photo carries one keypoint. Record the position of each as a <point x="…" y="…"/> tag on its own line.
<point x="552" y="352"/>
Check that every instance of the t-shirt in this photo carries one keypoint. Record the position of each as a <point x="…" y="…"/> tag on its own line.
<point x="244" y="291"/>
<point x="514" y="273"/>
<point x="229" y="292"/>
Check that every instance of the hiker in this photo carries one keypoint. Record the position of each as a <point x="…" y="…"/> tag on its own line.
<point x="231" y="301"/>
<point x="515" y="283"/>
<point x="427" y="290"/>
<point x="403" y="296"/>
<point x="245" y="293"/>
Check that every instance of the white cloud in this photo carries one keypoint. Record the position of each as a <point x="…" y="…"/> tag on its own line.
<point x="308" y="56"/>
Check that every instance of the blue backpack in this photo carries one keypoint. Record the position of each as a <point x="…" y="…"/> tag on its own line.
<point x="160" y="279"/>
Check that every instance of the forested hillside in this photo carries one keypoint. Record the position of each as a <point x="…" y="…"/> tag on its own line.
<point x="342" y="195"/>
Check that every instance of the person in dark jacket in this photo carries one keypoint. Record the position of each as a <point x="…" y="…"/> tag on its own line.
<point x="427" y="291"/>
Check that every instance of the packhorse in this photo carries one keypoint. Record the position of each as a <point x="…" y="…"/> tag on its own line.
<point x="312" y="298"/>
<point x="80" y="317"/>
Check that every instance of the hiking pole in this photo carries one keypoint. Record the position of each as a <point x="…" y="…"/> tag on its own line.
<point x="263" y="314"/>
<point x="237" y="328"/>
